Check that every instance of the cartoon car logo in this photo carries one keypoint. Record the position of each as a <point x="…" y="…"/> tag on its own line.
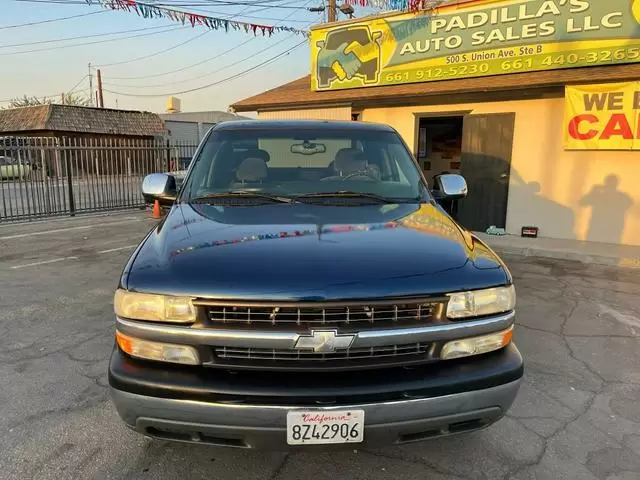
<point x="347" y="53"/>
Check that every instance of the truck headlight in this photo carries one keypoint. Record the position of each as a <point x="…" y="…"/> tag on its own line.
<point x="154" y="308"/>
<point x="466" y="347"/>
<point x="162" y="352"/>
<point x="481" y="302"/>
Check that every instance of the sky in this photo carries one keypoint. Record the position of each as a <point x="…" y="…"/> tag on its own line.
<point x="136" y="55"/>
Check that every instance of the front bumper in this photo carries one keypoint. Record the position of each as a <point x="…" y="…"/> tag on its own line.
<point x="249" y="410"/>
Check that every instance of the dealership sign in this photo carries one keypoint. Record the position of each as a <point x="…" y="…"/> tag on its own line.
<point x="602" y="117"/>
<point x="477" y="38"/>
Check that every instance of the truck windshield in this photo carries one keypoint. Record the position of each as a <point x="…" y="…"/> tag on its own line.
<point x="304" y="162"/>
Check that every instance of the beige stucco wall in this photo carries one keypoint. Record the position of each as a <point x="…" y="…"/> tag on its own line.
<point x="547" y="183"/>
<point x="333" y="113"/>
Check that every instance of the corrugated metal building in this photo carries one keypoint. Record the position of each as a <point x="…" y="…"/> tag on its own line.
<point x="185" y="130"/>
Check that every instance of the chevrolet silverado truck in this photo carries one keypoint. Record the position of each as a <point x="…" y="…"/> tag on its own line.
<point x="306" y="290"/>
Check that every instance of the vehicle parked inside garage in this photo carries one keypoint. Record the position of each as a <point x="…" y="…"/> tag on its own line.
<point x="305" y="288"/>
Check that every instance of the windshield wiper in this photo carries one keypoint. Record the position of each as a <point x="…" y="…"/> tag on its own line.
<point x="233" y="194"/>
<point x="349" y="194"/>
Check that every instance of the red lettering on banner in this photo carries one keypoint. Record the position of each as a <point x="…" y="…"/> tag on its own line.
<point x="636" y="100"/>
<point x="617" y="125"/>
<point x="574" y="127"/>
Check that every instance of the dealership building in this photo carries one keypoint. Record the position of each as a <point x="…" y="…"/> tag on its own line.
<point x="535" y="102"/>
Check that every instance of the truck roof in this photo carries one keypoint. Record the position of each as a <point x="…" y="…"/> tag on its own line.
<point x="302" y="124"/>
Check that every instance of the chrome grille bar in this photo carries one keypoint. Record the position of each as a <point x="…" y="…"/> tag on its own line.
<point x="236" y="353"/>
<point x="282" y="315"/>
<point x="276" y="339"/>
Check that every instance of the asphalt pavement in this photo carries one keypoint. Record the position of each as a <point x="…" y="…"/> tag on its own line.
<point x="577" y="415"/>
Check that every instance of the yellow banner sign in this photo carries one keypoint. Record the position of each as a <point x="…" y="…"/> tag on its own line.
<point x="602" y="117"/>
<point x="477" y="38"/>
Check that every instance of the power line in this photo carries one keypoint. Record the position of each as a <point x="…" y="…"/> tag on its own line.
<point x="52" y="95"/>
<point x="78" y="84"/>
<point x="233" y="4"/>
<point x="190" y="4"/>
<point x="156" y="53"/>
<point x="206" y="74"/>
<point x="172" y="29"/>
<point x="51" y="20"/>
<point x="157" y="27"/>
<point x="233" y="77"/>
<point x="206" y="60"/>
<point x="188" y="66"/>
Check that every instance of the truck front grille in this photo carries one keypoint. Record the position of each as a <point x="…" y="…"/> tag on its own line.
<point x="299" y="319"/>
<point x="235" y="353"/>
<point x="396" y="314"/>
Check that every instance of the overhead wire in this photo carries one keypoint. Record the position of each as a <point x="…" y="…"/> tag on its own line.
<point x="229" y="4"/>
<point x="201" y="62"/>
<point x="206" y="74"/>
<point x="192" y="4"/>
<point x="241" y="13"/>
<point x="54" y="94"/>
<point x="51" y="20"/>
<point x="247" y="6"/>
<point x="143" y="57"/>
<point x="105" y="34"/>
<point x="171" y="29"/>
<point x="187" y="67"/>
<point x="78" y="84"/>
<point x="232" y="77"/>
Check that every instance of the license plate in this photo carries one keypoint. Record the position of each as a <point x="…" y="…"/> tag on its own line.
<point x="321" y="427"/>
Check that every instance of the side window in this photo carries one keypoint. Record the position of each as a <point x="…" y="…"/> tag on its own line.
<point x="394" y="154"/>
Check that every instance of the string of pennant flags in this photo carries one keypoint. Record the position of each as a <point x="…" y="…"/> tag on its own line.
<point x="147" y="10"/>
<point x="402" y="5"/>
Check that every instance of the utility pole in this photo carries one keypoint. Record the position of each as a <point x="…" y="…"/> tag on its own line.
<point x="100" y="98"/>
<point x="62" y="95"/>
<point x="90" y="85"/>
<point x="331" y="13"/>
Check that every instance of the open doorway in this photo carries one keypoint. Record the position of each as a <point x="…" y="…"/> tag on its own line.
<point x="440" y="150"/>
<point x="439" y="145"/>
<point x="478" y="147"/>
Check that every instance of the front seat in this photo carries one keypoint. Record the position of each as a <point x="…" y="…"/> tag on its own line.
<point x="349" y="161"/>
<point x="251" y="170"/>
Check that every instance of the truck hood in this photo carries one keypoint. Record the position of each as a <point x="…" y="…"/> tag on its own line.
<point x="310" y="252"/>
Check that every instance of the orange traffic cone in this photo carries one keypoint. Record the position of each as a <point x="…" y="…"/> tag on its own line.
<point x="157" y="213"/>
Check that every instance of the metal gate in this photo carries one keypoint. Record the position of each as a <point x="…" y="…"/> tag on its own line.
<point x="47" y="176"/>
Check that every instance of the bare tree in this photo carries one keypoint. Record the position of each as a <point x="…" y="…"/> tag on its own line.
<point x="66" y="99"/>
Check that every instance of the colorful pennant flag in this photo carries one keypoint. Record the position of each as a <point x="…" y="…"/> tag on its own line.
<point x="401" y="5"/>
<point x="147" y="10"/>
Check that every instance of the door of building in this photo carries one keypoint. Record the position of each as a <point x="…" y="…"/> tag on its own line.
<point x="487" y="141"/>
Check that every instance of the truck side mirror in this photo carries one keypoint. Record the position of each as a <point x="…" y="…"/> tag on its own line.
<point x="450" y="186"/>
<point x="161" y="187"/>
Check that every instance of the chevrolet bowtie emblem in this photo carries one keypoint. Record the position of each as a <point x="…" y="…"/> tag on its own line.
<point x="324" y="341"/>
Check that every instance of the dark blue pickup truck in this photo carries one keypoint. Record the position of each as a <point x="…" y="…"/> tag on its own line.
<point x="306" y="289"/>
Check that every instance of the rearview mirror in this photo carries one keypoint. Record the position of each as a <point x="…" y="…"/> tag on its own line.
<point x="161" y="187"/>
<point x="450" y="186"/>
<point x="308" y="148"/>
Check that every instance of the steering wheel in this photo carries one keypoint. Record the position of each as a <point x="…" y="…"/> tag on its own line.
<point x="363" y="173"/>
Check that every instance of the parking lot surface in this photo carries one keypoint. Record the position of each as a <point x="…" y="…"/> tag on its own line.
<point x="577" y="415"/>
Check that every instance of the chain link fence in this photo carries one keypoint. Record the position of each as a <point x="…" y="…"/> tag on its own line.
<point x="51" y="176"/>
